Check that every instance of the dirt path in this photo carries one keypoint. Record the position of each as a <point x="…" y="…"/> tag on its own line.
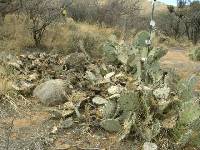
<point x="178" y="59"/>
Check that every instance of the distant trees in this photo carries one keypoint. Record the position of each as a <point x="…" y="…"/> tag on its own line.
<point x="181" y="3"/>
<point x="115" y="11"/>
<point x="182" y="20"/>
<point x="8" y="6"/>
<point x="110" y="12"/>
<point x="191" y="19"/>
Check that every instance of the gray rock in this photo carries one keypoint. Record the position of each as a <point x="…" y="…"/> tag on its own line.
<point x="108" y="76"/>
<point x="52" y="92"/>
<point x="90" y="76"/>
<point x="150" y="146"/>
<point x="162" y="93"/>
<point x="99" y="100"/>
<point x="115" y="89"/>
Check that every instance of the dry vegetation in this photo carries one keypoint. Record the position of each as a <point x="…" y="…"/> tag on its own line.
<point x="94" y="45"/>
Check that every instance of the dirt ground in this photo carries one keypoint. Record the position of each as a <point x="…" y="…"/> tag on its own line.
<point x="36" y="130"/>
<point x="178" y="59"/>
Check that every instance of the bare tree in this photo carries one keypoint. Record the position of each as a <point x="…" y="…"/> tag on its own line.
<point x="190" y="16"/>
<point x="42" y="13"/>
<point x="183" y="20"/>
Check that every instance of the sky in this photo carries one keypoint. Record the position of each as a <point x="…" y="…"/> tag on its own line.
<point x="170" y="2"/>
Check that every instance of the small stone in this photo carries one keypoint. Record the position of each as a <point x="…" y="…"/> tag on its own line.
<point x="66" y="113"/>
<point x="162" y="93"/>
<point x="68" y="106"/>
<point x="32" y="57"/>
<point x="150" y="146"/>
<point x="115" y="89"/>
<point x="108" y="76"/>
<point x="99" y="100"/>
<point x="33" y="77"/>
<point x="54" y="130"/>
<point x="115" y="96"/>
<point x="90" y="76"/>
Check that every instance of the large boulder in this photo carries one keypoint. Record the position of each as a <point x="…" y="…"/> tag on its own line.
<point x="52" y="92"/>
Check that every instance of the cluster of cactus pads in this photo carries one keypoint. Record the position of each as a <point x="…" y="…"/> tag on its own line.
<point x="160" y="107"/>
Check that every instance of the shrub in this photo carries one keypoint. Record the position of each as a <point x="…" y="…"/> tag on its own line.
<point x="14" y="35"/>
<point x="91" y="42"/>
<point x="41" y="14"/>
<point x="109" y="12"/>
<point x="195" y="54"/>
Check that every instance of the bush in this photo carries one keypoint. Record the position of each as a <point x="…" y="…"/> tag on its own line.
<point x="195" y="54"/>
<point x="91" y="42"/>
<point x="40" y="15"/>
<point x="110" y="12"/>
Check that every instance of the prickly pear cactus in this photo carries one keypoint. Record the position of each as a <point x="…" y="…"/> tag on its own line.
<point x="110" y="53"/>
<point x="141" y="38"/>
<point x="160" y="101"/>
<point x="187" y="129"/>
<point x="122" y="53"/>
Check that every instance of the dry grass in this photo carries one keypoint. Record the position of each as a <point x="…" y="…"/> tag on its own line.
<point x="60" y="35"/>
<point x="5" y="85"/>
<point x="64" y="37"/>
<point x="14" y="34"/>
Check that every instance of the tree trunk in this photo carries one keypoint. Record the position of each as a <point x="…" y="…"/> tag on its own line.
<point x="38" y="35"/>
<point x="187" y="28"/>
<point x="194" y="36"/>
<point x="37" y="39"/>
<point x="2" y="17"/>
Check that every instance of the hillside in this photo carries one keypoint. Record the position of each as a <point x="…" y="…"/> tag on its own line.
<point x="147" y="6"/>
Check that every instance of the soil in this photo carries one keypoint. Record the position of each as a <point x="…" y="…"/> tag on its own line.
<point x="178" y="59"/>
<point x="34" y="130"/>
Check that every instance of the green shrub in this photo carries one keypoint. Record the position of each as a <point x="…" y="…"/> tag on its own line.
<point x="195" y="54"/>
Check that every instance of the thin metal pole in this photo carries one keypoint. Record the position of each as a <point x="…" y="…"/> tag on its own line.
<point x="152" y="20"/>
